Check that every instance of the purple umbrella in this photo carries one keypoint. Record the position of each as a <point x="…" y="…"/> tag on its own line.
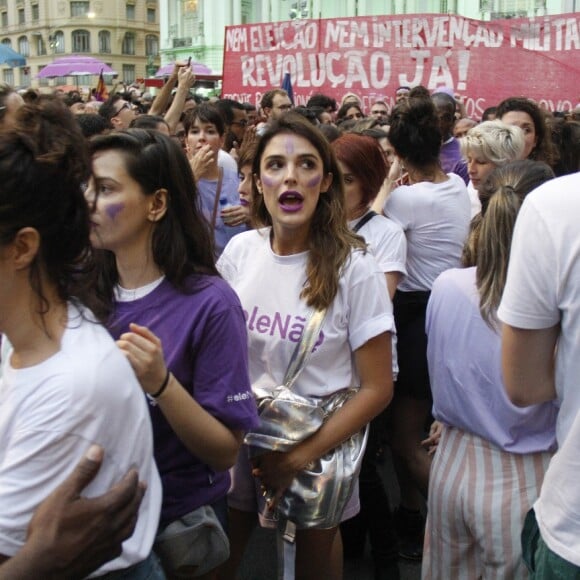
<point x="197" y="67"/>
<point x="74" y="66"/>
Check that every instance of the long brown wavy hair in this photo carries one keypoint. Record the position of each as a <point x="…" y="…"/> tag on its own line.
<point x="330" y="241"/>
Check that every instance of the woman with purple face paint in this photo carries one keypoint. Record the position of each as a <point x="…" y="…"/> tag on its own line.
<point x="305" y="259"/>
<point x="179" y="324"/>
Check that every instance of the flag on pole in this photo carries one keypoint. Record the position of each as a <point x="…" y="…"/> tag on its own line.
<point x="101" y="93"/>
<point x="287" y="86"/>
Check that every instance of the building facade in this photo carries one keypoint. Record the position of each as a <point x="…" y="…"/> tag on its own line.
<point x="123" y="34"/>
<point x="196" y="27"/>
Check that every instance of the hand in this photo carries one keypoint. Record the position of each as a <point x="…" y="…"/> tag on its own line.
<point x="145" y="353"/>
<point x="251" y="138"/>
<point x="185" y="77"/>
<point x="235" y="215"/>
<point x="70" y="536"/>
<point x="434" y="435"/>
<point x="396" y="173"/>
<point x="201" y="161"/>
<point x="235" y="151"/>
<point x="276" y="471"/>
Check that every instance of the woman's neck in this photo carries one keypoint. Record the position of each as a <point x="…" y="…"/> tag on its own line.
<point x="288" y="243"/>
<point x="356" y="213"/>
<point x="136" y="269"/>
<point x="35" y="328"/>
<point x="431" y="173"/>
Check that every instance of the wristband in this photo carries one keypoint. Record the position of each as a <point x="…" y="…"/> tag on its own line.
<point x="163" y="386"/>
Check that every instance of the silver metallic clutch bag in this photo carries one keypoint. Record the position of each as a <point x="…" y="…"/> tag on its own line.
<point x="318" y="494"/>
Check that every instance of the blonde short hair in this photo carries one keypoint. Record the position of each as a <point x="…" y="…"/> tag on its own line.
<point x="495" y="142"/>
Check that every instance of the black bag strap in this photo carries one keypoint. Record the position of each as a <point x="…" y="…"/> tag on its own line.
<point x="363" y="220"/>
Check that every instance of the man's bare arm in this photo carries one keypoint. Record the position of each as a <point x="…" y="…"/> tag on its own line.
<point x="528" y="364"/>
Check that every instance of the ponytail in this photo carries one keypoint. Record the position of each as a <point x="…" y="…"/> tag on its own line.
<point x="493" y="249"/>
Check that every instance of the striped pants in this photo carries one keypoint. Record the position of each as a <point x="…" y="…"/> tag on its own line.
<point x="478" y="500"/>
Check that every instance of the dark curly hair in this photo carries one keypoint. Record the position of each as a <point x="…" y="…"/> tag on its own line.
<point x="543" y="150"/>
<point x="414" y="131"/>
<point x="44" y="165"/>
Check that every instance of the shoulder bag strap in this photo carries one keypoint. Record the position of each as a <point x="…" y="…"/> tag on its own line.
<point x="363" y="220"/>
<point x="304" y="347"/>
<point x="216" y="201"/>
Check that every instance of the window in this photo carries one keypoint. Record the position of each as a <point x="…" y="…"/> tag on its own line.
<point x="128" y="73"/>
<point x="104" y="41"/>
<point x="130" y="11"/>
<point x="81" y="41"/>
<point x="4" y="18"/>
<point x="7" y="42"/>
<point x="23" y="47"/>
<point x="129" y="43"/>
<point x="56" y="41"/>
<point x="8" y="76"/>
<point x="151" y="45"/>
<point x="151" y="15"/>
<point x="21" y="16"/>
<point x="25" y="76"/>
<point x="35" y="12"/>
<point x="79" y="8"/>
<point x="40" y="46"/>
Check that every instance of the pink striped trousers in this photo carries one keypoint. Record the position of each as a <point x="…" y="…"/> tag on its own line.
<point x="478" y="499"/>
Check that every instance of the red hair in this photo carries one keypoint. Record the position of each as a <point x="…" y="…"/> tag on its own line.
<point x="364" y="158"/>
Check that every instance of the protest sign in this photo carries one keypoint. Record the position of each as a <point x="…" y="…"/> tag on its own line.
<point x="484" y="62"/>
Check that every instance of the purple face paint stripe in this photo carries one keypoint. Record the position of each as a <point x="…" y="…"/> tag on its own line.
<point x="289" y="145"/>
<point x="269" y="182"/>
<point x="114" y="209"/>
<point x="314" y="181"/>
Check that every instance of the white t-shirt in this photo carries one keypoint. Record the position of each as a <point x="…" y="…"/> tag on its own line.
<point x="51" y="413"/>
<point x="387" y="242"/>
<point x="473" y="199"/>
<point x="542" y="290"/>
<point x="269" y="287"/>
<point x="435" y="218"/>
<point x="227" y="162"/>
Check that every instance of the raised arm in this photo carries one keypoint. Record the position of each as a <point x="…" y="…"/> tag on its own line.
<point x="159" y="104"/>
<point x="185" y="80"/>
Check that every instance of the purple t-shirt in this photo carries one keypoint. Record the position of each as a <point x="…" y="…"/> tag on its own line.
<point x="204" y="339"/>
<point x="451" y="159"/>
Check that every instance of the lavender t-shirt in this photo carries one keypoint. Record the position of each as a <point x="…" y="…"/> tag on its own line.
<point x="204" y="341"/>
<point x="464" y="356"/>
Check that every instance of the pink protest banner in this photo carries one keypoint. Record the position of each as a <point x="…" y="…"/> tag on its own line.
<point x="484" y="62"/>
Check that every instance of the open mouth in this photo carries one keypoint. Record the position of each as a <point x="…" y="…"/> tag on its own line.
<point x="291" y="201"/>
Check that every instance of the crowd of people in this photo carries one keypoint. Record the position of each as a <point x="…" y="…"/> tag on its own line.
<point x="162" y="260"/>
